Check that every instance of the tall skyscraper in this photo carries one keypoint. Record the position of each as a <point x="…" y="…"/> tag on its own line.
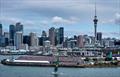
<point x="18" y="39"/>
<point x="26" y="39"/>
<point x="43" y="38"/>
<point x="6" y="35"/>
<point x="33" y="39"/>
<point x="12" y="33"/>
<point x="2" y="41"/>
<point x="99" y="36"/>
<point x="52" y="36"/>
<point x="0" y="29"/>
<point x="57" y="36"/>
<point x="95" y="20"/>
<point x="61" y="34"/>
<point x="19" y="27"/>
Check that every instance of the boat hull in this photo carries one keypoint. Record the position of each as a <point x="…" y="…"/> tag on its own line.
<point x="11" y="63"/>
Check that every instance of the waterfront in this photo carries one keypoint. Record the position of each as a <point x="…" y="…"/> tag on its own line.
<point x="19" y="71"/>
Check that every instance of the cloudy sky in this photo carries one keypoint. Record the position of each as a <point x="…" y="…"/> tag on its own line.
<point x="76" y="16"/>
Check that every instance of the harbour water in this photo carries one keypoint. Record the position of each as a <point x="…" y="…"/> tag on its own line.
<point x="20" y="71"/>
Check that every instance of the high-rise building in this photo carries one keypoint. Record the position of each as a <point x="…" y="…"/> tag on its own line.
<point x="43" y="38"/>
<point x="18" y="40"/>
<point x="1" y="34"/>
<point x="57" y="36"/>
<point x="52" y="36"/>
<point x="26" y="40"/>
<point x="6" y="35"/>
<point x="19" y="27"/>
<point x="99" y="36"/>
<point x="65" y="42"/>
<point x="2" y="41"/>
<point x="0" y="29"/>
<point x="61" y="34"/>
<point x="12" y="34"/>
<point x="33" y="39"/>
<point x="6" y="41"/>
<point x="80" y="41"/>
<point x="44" y="34"/>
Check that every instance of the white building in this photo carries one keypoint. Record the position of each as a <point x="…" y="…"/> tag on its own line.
<point x="33" y="39"/>
<point x="46" y="43"/>
<point x="18" y="39"/>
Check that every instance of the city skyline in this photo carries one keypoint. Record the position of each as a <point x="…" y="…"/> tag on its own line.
<point x="59" y="38"/>
<point x="75" y="16"/>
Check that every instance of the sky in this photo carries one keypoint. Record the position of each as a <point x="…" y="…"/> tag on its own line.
<point x="76" y="16"/>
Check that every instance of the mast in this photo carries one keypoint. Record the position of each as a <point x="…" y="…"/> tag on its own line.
<point x="57" y="62"/>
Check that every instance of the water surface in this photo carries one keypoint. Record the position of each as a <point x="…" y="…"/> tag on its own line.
<point x="20" y="71"/>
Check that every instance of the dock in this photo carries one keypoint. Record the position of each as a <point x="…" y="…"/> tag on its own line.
<point x="49" y="61"/>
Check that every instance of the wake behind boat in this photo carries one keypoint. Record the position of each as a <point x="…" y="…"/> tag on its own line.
<point x="57" y="73"/>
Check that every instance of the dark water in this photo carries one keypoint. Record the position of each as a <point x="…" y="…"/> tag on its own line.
<point x="19" y="71"/>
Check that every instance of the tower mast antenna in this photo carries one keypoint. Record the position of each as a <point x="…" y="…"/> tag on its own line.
<point x="95" y="8"/>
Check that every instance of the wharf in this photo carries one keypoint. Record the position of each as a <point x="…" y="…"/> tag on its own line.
<point x="49" y="61"/>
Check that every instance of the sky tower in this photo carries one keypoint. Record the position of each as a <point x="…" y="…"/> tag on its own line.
<point x="95" y="20"/>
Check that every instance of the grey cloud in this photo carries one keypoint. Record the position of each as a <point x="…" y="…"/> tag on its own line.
<point x="117" y="20"/>
<point x="50" y="8"/>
